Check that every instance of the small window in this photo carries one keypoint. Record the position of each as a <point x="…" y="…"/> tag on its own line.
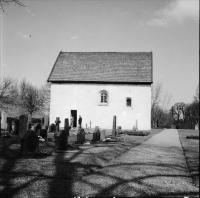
<point x="128" y="102"/>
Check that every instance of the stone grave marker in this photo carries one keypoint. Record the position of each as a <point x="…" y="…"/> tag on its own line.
<point x="114" y="126"/>
<point x="16" y="128"/>
<point x="96" y="134"/>
<point x="61" y="137"/>
<point x="102" y="134"/>
<point x="80" y="136"/>
<point x="90" y="124"/>
<point x="29" y="143"/>
<point x="22" y="125"/>
<point x="37" y="128"/>
<point x="52" y="128"/>
<point x="9" y="124"/>
<point x="43" y="133"/>
<point x="119" y="130"/>
<point x="66" y="127"/>
<point x="3" y="120"/>
<point x="57" y="124"/>
<point x="13" y="125"/>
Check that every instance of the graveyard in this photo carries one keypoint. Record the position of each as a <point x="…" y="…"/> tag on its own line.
<point x="49" y="160"/>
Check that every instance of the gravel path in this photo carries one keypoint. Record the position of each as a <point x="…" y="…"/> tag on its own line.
<point x="157" y="167"/>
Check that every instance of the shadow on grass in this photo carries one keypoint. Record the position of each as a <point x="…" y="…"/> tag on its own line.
<point x="9" y="157"/>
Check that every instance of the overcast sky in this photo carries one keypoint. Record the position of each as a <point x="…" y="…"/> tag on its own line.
<point x="32" y="37"/>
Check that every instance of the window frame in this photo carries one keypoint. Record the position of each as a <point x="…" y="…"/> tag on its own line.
<point x="103" y="94"/>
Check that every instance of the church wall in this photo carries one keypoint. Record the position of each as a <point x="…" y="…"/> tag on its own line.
<point x="85" y="98"/>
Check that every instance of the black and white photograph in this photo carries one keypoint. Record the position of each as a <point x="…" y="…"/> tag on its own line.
<point x="99" y="98"/>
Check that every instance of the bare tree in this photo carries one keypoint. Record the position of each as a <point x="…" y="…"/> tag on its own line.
<point x="160" y="101"/>
<point x="7" y="2"/>
<point x="8" y="93"/>
<point x="31" y="99"/>
<point x="46" y="91"/>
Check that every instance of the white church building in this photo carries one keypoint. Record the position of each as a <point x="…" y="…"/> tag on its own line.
<point x="99" y="85"/>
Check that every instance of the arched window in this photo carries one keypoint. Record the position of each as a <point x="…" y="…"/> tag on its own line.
<point x="103" y="97"/>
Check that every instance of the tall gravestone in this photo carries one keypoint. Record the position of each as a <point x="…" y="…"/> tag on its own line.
<point x="66" y="127"/>
<point x="114" y="126"/>
<point x="22" y="125"/>
<point x="61" y="137"/>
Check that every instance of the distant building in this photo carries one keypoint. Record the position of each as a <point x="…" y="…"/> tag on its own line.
<point x="99" y="85"/>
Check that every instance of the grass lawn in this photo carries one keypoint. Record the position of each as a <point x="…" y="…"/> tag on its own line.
<point x="54" y="175"/>
<point x="191" y="152"/>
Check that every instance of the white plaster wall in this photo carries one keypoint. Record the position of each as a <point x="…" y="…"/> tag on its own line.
<point x="85" y="98"/>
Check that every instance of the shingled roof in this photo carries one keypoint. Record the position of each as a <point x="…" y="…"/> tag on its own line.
<point x="118" y="67"/>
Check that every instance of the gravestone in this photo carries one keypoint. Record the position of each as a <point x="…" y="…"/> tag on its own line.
<point x="80" y="136"/>
<point x="22" y="125"/>
<point x="90" y="124"/>
<point x="9" y="124"/>
<point x="119" y="130"/>
<point x="43" y="133"/>
<point x="52" y="128"/>
<point x="196" y="127"/>
<point x="37" y="128"/>
<point x="102" y="134"/>
<point x="61" y="137"/>
<point x="29" y="143"/>
<point x="3" y="120"/>
<point x="66" y="127"/>
<point x="16" y="128"/>
<point x="57" y="124"/>
<point x="114" y="126"/>
<point x="96" y="134"/>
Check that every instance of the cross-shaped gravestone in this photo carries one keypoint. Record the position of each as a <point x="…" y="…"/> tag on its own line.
<point x="57" y="124"/>
<point x="90" y="124"/>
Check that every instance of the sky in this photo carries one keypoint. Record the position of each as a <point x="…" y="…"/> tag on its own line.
<point x="33" y="36"/>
